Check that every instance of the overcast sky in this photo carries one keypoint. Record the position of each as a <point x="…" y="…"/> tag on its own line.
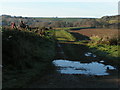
<point x="59" y="8"/>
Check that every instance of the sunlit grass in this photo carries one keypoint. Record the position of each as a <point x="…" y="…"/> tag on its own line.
<point x="110" y="50"/>
<point x="62" y="35"/>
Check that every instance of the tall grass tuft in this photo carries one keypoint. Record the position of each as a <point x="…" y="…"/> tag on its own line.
<point x="114" y="40"/>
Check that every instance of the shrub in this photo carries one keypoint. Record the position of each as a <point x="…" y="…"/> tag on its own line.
<point x="114" y="40"/>
<point x="95" y="39"/>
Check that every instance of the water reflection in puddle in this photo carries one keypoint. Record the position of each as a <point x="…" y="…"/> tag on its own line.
<point x="59" y="45"/>
<point x="75" y="67"/>
<point x="1" y="66"/>
<point x="102" y="61"/>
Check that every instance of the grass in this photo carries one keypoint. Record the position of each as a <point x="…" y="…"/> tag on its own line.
<point x="106" y="48"/>
<point x="113" y="40"/>
<point x="74" y="49"/>
<point x="25" y="55"/>
<point x="111" y="50"/>
<point x="63" y="35"/>
<point x="110" y="53"/>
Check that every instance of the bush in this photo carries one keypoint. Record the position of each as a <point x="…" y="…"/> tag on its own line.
<point x="95" y="39"/>
<point x="114" y="40"/>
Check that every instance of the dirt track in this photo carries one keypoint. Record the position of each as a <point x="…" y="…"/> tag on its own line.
<point x="58" y="80"/>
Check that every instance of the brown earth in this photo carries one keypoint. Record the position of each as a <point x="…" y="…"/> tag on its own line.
<point x="97" y="32"/>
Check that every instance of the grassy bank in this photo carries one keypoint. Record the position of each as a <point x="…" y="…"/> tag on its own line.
<point x="75" y="45"/>
<point x="25" y="56"/>
<point x="107" y="49"/>
<point x="109" y="53"/>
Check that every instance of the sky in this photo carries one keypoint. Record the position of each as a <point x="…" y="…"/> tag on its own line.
<point x="59" y="8"/>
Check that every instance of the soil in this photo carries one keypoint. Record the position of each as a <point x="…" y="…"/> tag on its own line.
<point x="97" y="32"/>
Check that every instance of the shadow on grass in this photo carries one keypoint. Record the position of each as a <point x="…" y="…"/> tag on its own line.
<point x="79" y="36"/>
<point x="105" y="56"/>
<point x="81" y="28"/>
<point x="76" y="52"/>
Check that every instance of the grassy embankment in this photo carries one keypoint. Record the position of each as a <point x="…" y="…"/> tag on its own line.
<point x="74" y="48"/>
<point x="26" y="56"/>
<point x="106" y="51"/>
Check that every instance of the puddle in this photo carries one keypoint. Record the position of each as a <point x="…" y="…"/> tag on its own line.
<point x="9" y="36"/>
<point x="94" y="55"/>
<point x="89" y="54"/>
<point x="75" y="67"/>
<point x="102" y="61"/>
<point x="59" y="45"/>
<point x="1" y="66"/>
<point x="61" y="52"/>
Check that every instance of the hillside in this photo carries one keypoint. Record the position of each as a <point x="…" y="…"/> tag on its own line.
<point x="103" y="22"/>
